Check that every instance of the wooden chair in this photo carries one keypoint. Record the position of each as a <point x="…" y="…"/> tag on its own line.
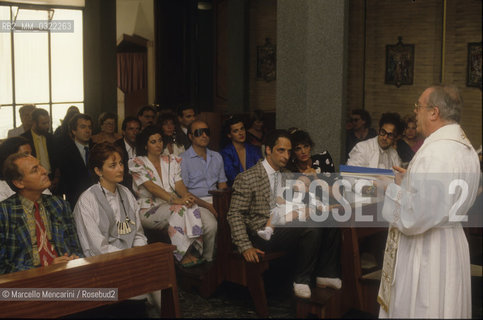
<point x="363" y="286"/>
<point x="231" y="265"/>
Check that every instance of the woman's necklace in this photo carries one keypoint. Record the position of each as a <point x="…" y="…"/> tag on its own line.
<point x="122" y="227"/>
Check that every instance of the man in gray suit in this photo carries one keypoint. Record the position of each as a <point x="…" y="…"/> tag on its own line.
<point x="253" y="199"/>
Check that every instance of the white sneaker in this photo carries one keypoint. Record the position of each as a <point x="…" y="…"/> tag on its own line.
<point x="335" y="283"/>
<point x="302" y="290"/>
<point x="266" y="233"/>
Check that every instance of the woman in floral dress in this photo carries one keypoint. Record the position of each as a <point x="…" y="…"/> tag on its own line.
<point x="163" y="198"/>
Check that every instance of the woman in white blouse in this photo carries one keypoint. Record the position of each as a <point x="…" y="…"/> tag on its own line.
<point x="107" y="214"/>
<point x="164" y="200"/>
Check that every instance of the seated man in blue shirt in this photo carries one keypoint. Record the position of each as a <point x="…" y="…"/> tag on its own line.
<point x="202" y="170"/>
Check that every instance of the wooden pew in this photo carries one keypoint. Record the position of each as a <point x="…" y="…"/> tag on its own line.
<point x="133" y="271"/>
<point x="231" y="265"/>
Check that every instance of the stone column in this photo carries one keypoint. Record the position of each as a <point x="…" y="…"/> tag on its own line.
<point x="311" y="75"/>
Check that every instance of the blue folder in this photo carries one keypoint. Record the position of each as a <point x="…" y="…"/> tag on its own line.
<point x="365" y="170"/>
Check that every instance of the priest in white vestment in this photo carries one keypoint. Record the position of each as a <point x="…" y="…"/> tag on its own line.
<point x="426" y="270"/>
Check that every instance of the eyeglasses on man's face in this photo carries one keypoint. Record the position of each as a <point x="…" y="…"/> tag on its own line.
<point x="355" y="119"/>
<point x="417" y="106"/>
<point x="383" y="133"/>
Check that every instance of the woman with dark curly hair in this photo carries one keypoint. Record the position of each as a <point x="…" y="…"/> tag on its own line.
<point x="165" y="201"/>
<point x="302" y="160"/>
<point x="256" y="132"/>
<point x="172" y="144"/>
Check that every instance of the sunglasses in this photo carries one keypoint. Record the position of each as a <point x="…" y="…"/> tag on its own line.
<point x="199" y="132"/>
<point x="355" y="119"/>
<point x="383" y="133"/>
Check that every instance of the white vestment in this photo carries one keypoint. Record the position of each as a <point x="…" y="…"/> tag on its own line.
<point x="431" y="277"/>
<point x="369" y="154"/>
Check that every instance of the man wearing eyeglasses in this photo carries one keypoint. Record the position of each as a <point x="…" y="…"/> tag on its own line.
<point x="377" y="152"/>
<point x="426" y="271"/>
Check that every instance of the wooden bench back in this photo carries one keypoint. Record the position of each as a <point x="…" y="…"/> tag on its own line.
<point x="132" y="271"/>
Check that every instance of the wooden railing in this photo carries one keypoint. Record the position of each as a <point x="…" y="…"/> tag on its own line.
<point x="133" y="272"/>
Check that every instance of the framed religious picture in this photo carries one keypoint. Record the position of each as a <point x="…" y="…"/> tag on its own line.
<point x="266" y="61"/>
<point x="399" y="63"/>
<point x="474" y="65"/>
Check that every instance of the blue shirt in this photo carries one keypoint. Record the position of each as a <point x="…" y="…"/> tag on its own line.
<point x="232" y="162"/>
<point x="200" y="175"/>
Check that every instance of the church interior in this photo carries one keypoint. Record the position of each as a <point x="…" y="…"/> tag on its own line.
<point x="303" y="63"/>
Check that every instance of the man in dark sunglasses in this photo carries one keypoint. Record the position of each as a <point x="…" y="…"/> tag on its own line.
<point x="202" y="170"/>
<point x="377" y="152"/>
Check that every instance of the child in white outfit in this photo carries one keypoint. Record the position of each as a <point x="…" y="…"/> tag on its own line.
<point x="295" y="208"/>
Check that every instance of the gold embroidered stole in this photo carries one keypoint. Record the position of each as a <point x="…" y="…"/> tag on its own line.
<point x="388" y="266"/>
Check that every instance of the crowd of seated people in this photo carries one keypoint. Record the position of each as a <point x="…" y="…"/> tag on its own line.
<point x="157" y="175"/>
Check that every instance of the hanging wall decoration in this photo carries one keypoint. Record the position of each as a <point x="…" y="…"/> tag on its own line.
<point x="266" y="61"/>
<point x="399" y="63"/>
<point x="474" y="65"/>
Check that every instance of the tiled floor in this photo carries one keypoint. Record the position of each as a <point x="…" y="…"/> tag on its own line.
<point x="233" y="301"/>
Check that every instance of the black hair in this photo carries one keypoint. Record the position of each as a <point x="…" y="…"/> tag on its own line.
<point x="143" y="137"/>
<point x="37" y="113"/>
<point x="273" y="136"/>
<point x="146" y="108"/>
<point x="127" y="120"/>
<point x="74" y="121"/>
<point x="166" y="117"/>
<point x="365" y="116"/>
<point x="255" y="115"/>
<point x="184" y="107"/>
<point x="226" y="128"/>
<point x="392" y="118"/>
<point x="298" y="136"/>
<point x="175" y="138"/>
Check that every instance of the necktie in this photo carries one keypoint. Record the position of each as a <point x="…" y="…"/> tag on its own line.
<point x="86" y="149"/>
<point x="46" y="250"/>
